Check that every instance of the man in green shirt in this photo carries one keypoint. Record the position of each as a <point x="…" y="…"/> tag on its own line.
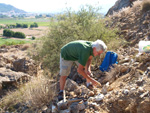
<point x="81" y="52"/>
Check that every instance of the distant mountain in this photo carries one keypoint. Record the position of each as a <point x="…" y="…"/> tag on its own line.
<point x="4" y="8"/>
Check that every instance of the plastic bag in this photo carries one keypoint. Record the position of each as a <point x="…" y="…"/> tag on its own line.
<point x="144" y="47"/>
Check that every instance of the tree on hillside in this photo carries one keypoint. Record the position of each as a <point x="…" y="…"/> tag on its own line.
<point x="34" y="25"/>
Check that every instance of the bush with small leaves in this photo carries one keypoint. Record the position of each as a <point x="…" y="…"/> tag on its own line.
<point x="25" y="25"/>
<point x="1" y="27"/>
<point x="18" y="25"/>
<point x="19" y="35"/>
<point x="33" y="38"/>
<point x="8" y="33"/>
<point x="34" y="25"/>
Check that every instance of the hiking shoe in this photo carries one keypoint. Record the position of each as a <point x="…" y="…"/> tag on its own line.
<point x="60" y="96"/>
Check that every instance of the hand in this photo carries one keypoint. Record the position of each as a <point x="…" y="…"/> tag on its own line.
<point x="89" y="73"/>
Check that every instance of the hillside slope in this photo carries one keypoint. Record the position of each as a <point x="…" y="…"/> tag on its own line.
<point x="5" y="8"/>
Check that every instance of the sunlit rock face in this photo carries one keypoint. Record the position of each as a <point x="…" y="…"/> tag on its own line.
<point x="119" y="5"/>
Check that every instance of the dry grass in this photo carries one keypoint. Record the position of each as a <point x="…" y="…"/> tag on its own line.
<point x="113" y="74"/>
<point x="115" y="44"/>
<point x="34" y="94"/>
<point x="136" y="6"/>
<point x="128" y="10"/>
<point x="122" y="12"/>
<point x="40" y="92"/>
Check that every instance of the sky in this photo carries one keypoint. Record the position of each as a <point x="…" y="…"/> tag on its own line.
<point x="50" y="6"/>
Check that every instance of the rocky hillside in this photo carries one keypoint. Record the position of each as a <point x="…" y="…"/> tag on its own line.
<point x="15" y="66"/>
<point x="125" y="88"/>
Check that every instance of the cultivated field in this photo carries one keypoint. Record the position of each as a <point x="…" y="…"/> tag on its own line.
<point x="38" y="32"/>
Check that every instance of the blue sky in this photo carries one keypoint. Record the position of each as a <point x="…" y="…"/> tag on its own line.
<point x="48" y="6"/>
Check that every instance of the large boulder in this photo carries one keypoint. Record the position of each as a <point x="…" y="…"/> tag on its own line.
<point x="12" y="78"/>
<point x="25" y="65"/>
<point x="71" y="85"/>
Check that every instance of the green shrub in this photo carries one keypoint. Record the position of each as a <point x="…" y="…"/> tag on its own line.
<point x="19" y="35"/>
<point x="145" y="5"/>
<point x="25" y="25"/>
<point x="86" y="24"/>
<point x="4" y="31"/>
<point x="18" y="25"/>
<point x="33" y="38"/>
<point x="31" y="26"/>
<point x="14" y="43"/>
<point x="1" y="26"/>
<point x="34" y="25"/>
<point x="9" y="41"/>
<point x="8" y="33"/>
<point x="11" y="26"/>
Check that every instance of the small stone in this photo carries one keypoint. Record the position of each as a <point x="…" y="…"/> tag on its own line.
<point x="99" y="97"/>
<point x="90" y="99"/>
<point x="105" y="88"/>
<point x="126" y="91"/>
<point x="91" y="93"/>
<point x="140" y="82"/>
<point x="81" y="106"/>
<point x="65" y="111"/>
<point x="141" y="89"/>
<point x="44" y="108"/>
<point x="74" y="108"/>
<point x="144" y="94"/>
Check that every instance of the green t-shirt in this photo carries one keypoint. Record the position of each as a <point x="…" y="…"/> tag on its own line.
<point x="77" y="51"/>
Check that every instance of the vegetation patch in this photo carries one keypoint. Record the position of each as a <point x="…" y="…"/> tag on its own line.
<point x="40" y="21"/>
<point x="10" y="33"/>
<point x="31" y="95"/>
<point x="8" y="41"/>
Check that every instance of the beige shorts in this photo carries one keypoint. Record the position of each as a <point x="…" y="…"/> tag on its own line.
<point x="65" y="66"/>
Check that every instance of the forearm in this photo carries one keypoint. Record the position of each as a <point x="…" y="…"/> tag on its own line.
<point x="93" y="81"/>
<point x="85" y="75"/>
<point x="88" y="65"/>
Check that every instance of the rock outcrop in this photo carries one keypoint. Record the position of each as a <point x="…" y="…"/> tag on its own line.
<point x="12" y="78"/>
<point x="120" y="4"/>
<point x="15" y="66"/>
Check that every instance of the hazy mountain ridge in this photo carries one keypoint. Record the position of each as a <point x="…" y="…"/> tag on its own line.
<point x="5" y="8"/>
